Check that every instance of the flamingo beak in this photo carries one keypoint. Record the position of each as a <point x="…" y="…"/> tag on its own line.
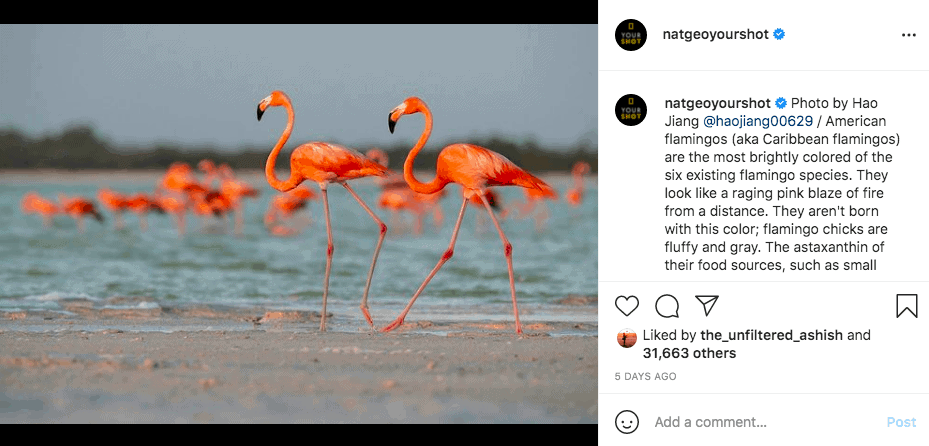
<point x="390" y="122"/>
<point x="260" y="112"/>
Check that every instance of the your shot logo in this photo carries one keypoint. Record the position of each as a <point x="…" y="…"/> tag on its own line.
<point x="631" y="35"/>
<point x="631" y="110"/>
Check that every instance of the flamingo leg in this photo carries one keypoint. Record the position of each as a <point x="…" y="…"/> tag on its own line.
<point x="180" y="225"/>
<point x="445" y="256"/>
<point x="420" y="215"/>
<point x="377" y="250"/>
<point x="239" y="220"/>
<point x="119" y="221"/>
<point x="437" y="216"/>
<point x="395" y="220"/>
<point x="143" y="223"/>
<point x="541" y="218"/>
<point x="508" y="251"/>
<point x="329" y="250"/>
<point x="527" y="208"/>
<point x="80" y="224"/>
<point x="271" y="216"/>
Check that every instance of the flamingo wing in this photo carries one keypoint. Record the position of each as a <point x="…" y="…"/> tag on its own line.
<point x="34" y="202"/>
<point x="475" y="167"/>
<point x="320" y="161"/>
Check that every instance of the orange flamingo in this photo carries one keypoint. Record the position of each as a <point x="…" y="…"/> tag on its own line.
<point x="392" y="179"/>
<point x="234" y="190"/>
<point x="533" y="199"/>
<point x="283" y="206"/>
<point x="474" y="168"/>
<point x="33" y="203"/>
<point x="77" y="208"/>
<point x="324" y="163"/>
<point x="141" y="204"/>
<point x="495" y="203"/>
<point x="115" y="202"/>
<point x="179" y="178"/>
<point x="199" y="197"/>
<point x="173" y="204"/>
<point x="209" y="202"/>
<point x="398" y="200"/>
<point x="576" y="194"/>
<point x="396" y="195"/>
<point x="210" y="172"/>
<point x="178" y="190"/>
<point x="433" y="202"/>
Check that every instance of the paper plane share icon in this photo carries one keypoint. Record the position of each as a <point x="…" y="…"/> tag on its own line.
<point x="708" y="303"/>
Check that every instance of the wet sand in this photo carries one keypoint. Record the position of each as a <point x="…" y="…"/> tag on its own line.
<point x="209" y="364"/>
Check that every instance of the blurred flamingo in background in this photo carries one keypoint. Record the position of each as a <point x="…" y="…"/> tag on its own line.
<point x="177" y="190"/>
<point x="324" y="163"/>
<point x="33" y="203"/>
<point x="235" y="190"/>
<point x="282" y="209"/>
<point x="210" y="173"/>
<point x="391" y="179"/>
<point x="115" y="202"/>
<point x="396" y="196"/>
<point x="534" y="198"/>
<point x="176" y="205"/>
<point x="77" y="208"/>
<point x="575" y="195"/>
<point x="179" y="178"/>
<point x="398" y="200"/>
<point x="141" y="204"/>
<point x="495" y="204"/>
<point x="475" y="169"/>
<point x="434" y="202"/>
<point x="181" y="186"/>
<point x="209" y="203"/>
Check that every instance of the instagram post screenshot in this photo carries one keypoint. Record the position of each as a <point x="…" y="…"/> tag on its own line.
<point x="300" y="223"/>
<point x="762" y="274"/>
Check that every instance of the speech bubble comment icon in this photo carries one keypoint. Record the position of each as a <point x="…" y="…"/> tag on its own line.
<point x="667" y="306"/>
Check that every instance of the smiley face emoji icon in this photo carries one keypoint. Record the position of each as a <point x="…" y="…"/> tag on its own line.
<point x="627" y="421"/>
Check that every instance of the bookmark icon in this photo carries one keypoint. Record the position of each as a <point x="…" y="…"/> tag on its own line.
<point x="907" y="302"/>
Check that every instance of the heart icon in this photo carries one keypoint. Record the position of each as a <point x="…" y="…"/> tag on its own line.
<point x="626" y="305"/>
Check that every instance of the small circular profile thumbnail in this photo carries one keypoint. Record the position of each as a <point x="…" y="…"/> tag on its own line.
<point x="626" y="338"/>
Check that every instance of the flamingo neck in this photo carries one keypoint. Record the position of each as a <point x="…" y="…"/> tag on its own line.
<point x="438" y="182"/>
<point x="295" y="178"/>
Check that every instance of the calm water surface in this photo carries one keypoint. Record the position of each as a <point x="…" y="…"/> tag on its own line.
<point x="42" y="267"/>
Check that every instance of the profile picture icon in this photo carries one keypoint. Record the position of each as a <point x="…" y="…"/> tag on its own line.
<point x="626" y="338"/>
<point x="631" y="110"/>
<point x="630" y="34"/>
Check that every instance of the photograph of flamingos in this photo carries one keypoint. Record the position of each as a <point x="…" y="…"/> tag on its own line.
<point x="217" y="224"/>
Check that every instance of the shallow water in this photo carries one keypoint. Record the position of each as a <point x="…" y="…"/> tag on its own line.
<point x="54" y="269"/>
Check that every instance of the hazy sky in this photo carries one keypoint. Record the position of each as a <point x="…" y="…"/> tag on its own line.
<point x="201" y="84"/>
